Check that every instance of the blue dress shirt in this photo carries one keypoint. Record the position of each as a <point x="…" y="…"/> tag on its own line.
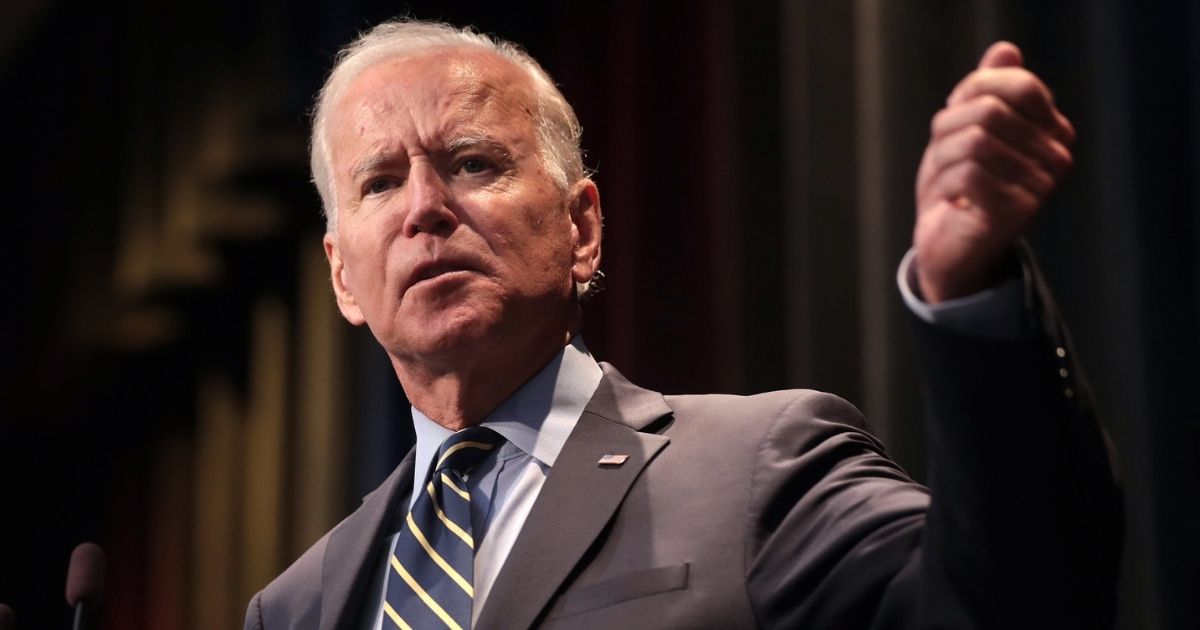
<point x="535" y="422"/>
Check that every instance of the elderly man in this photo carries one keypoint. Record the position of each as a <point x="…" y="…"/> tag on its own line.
<point x="547" y="490"/>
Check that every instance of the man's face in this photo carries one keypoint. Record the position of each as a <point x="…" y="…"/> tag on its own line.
<point x="452" y="240"/>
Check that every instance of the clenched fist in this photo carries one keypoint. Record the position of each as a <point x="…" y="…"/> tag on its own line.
<point x="996" y="152"/>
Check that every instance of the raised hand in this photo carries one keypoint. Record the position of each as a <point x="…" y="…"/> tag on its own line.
<point x="996" y="152"/>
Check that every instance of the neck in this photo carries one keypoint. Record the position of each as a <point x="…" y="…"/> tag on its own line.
<point x="462" y="394"/>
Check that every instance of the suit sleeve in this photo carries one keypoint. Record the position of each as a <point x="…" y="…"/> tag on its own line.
<point x="254" y="613"/>
<point x="1020" y="526"/>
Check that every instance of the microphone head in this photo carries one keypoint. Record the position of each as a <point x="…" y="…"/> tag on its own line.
<point x="8" y="619"/>
<point x="85" y="575"/>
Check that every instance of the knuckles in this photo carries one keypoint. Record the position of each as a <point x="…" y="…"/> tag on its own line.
<point x="1061" y="161"/>
<point x="995" y="112"/>
<point x="1027" y="85"/>
<point x="938" y="121"/>
<point x="996" y="142"/>
<point x="1041" y="183"/>
<point x="1021" y="89"/>
<point x="978" y="140"/>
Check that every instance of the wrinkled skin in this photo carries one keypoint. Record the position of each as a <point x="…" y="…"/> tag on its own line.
<point x="453" y="243"/>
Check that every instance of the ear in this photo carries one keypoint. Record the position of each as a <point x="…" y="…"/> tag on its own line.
<point x="337" y="272"/>
<point x="586" y="227"/>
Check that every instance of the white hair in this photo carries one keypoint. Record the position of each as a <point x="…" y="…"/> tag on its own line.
<point x="557" y="128"/>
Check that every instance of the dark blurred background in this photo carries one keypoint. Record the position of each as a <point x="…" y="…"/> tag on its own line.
<point x="178" y="387"/>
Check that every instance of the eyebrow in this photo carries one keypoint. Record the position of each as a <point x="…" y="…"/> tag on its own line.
<point x="372" y="162"/>
<point x="369" y="164"/>
<point x="470" y="142"/>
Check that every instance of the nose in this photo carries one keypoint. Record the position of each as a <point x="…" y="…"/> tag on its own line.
<point x="429" y="202"/>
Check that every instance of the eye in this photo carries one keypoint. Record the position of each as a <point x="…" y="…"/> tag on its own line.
<point x="382" y="184"/>
<point x="473" y="165"/>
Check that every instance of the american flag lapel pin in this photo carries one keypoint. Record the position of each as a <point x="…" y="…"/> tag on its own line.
<point x="613" y="459"/>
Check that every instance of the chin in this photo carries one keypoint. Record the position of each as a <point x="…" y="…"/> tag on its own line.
<point x="446" y="335"/>
<point x="467" y="330"/>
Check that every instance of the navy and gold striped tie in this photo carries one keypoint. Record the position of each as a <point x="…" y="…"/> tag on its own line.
<point x="433" y="567"/>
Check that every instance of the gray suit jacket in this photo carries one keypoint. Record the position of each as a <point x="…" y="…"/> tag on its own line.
<point x="779" y="510"/>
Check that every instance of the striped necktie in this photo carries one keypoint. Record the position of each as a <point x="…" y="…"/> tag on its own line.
<point x="433" y="566"/>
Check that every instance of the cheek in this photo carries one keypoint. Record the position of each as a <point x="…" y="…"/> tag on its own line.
<point x="541" y="233"/>
<point x="551" y="247"/>
<point x="529" y="230"/>
<point x="364" y="260"/>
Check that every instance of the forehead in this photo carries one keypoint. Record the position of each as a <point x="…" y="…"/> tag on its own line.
<point x="432" y="91"/>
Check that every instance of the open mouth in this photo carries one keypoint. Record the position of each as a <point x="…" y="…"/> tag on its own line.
<point x="436" y="270"/>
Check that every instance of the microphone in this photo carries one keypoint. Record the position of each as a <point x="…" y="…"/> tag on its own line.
<point x="8" y="619"/>
<point x="85" y="581"/>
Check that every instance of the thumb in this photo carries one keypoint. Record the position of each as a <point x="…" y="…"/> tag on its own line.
<point x="1002" y="55"/>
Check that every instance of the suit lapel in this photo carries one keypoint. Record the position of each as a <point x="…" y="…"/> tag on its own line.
<point x="578" y="499"/>
<point x="354" y="546"/>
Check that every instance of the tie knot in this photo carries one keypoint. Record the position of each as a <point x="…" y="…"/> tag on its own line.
<point x="465" y="449"/>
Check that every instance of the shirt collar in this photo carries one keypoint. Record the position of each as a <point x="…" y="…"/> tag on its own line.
<point x="537" y="418"/>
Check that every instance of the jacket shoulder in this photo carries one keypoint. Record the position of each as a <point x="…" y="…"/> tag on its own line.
<point x="803" y="406"/>
<point x="293" y="599"/>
